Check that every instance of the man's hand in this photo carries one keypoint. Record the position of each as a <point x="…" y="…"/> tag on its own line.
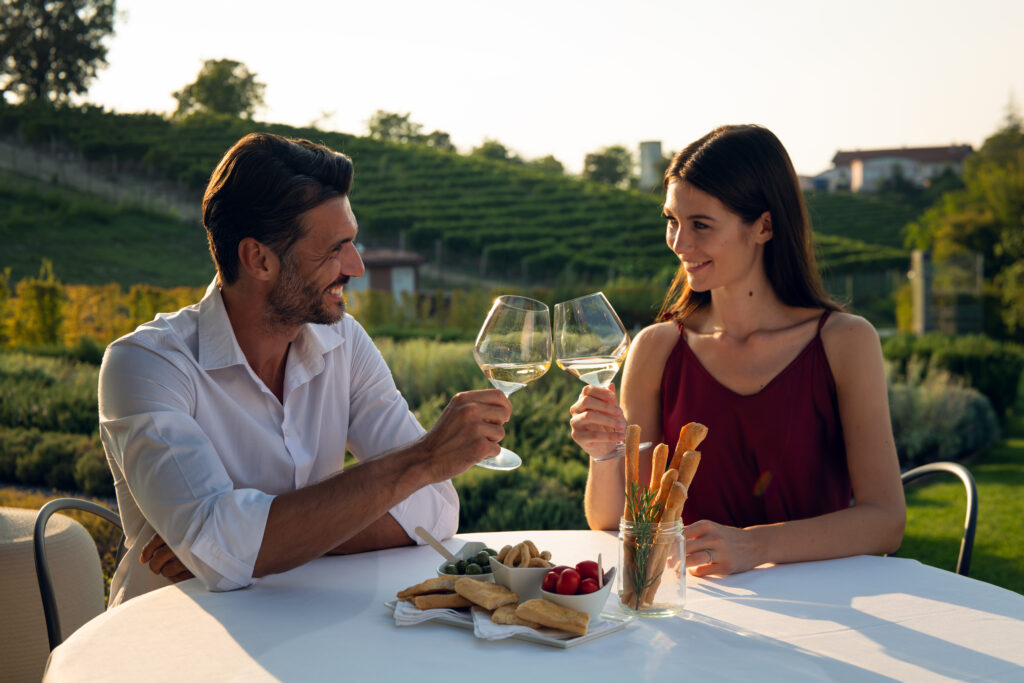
<point x="467" y="432"/>
<point x="163" y="561"/>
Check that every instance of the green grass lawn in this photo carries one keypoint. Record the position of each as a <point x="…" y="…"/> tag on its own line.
<point x="935" y="513"/>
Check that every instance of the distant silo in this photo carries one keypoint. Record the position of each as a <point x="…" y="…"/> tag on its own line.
<point x="650" y="165"/>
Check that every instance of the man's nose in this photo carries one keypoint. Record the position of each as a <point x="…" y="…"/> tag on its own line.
<point x="351" y="261"/>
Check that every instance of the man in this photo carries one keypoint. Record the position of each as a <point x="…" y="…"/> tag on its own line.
<point x="226" y="424"/>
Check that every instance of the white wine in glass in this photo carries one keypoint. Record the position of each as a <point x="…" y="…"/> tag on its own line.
<point x="591" y="344"/>
<point x="513" y="349"/>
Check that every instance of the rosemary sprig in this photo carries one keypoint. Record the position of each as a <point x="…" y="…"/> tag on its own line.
<point x="645" y="512"/>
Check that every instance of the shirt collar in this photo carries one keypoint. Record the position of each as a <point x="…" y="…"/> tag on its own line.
<point x="218" y="347"/>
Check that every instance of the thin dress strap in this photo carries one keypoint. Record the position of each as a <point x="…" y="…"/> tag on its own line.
<point x="823" y="318"/>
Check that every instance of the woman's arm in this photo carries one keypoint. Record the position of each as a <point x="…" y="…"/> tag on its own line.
<point x="875" y="523"/>
<point x="641" y="405"/>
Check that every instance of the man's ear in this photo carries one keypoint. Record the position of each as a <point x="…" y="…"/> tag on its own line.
<point x="257" y="259"/>
<point x="763" y="227"/>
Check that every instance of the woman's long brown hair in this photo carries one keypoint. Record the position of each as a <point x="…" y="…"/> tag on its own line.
<point x="747" y="169"/>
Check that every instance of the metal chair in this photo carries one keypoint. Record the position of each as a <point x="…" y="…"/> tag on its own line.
<point x="53" y="629"/>
<point x="963" y="562"/>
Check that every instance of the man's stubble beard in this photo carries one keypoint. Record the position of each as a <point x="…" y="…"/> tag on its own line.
<point x="294" y="301"/>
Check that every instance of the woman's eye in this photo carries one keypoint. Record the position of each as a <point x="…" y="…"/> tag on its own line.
<point x="700" y="226"/>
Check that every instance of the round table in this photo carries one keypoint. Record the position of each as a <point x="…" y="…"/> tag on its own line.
<point x="859" y="618"/>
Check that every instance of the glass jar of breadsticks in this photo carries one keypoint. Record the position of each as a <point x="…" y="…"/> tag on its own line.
<point x="652" y="557"/>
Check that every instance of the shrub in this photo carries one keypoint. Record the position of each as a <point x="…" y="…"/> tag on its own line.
<point x="935" y="416"/>
<point x="994" y="368"/>
<point x="47" y="393"/>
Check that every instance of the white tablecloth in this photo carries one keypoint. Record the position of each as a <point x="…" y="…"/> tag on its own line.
<point x="860" y="618"/>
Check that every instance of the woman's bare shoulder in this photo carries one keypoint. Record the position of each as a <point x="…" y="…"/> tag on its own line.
<point x="659" y="337"/>
<point x="849" y="338"/>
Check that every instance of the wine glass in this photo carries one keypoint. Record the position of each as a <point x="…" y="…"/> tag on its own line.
<point x="590" y="344"/>
<point x="513" y="349"/>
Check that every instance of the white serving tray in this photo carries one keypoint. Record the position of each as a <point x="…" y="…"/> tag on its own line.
<point x="560" y="640"/>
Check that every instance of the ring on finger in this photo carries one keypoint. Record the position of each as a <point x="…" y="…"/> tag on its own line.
<point x="711" y="559"/>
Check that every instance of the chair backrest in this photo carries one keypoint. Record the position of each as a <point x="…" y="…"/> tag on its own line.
<point x="963" y="562"/>
<point x="46" y="584"/>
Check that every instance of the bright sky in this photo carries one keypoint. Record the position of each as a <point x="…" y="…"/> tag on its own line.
<point x="568" y="77"/>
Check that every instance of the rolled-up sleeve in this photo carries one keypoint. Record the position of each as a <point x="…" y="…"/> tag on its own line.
<point x="380" y="420"/>
<point x="172" y="470"/>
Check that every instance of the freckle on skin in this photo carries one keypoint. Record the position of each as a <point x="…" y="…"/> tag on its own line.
<point x="750" y="294"/>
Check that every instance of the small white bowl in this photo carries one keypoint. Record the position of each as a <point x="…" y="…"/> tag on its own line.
<point x="465" y="552"/>
<point x="522" y="580"/>
<point x="591" y="603"/>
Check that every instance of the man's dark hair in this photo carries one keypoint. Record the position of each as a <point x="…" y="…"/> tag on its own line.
<point x="261" y="188"/>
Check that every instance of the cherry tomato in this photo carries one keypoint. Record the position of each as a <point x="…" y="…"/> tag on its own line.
<point x="568" y="582"/>
<point x="550" y="581"/>
<point x="588" y="585"/>
<point x="559" y="569"/>
<point x="587" y="569"/>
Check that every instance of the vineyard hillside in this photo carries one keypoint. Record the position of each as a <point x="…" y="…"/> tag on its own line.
<point x="492" y="219"/>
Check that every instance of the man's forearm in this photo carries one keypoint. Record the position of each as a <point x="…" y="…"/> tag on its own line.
<point x="305" y="524"/>
<point x="385" y="532"/>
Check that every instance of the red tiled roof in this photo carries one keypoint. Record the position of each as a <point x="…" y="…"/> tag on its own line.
<point x="391" y="257"/>
<point x="924" y="155"/>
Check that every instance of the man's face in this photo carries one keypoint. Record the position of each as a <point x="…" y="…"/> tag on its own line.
<point x="314" y="272"/>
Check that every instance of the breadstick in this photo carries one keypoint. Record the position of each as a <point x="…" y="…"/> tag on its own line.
<point x="688" y="467"/>
<point x="632" y="464"/>
<point x="667" y="481"/>
<point x="658" y="465"/>
<point x="690" y="437"/>
<point x="659" y="554"/>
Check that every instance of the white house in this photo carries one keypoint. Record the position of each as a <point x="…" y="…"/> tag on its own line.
<point x="867" y="170"/>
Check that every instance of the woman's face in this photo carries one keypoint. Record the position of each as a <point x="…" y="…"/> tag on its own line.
<point x="716" y="247"/>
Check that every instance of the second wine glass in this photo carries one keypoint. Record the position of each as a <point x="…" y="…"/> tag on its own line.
<point x="513" y="349"/>
<point x="591" y="344"/>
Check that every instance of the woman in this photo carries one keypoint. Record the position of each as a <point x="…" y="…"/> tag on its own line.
<point x="791" y="388"/>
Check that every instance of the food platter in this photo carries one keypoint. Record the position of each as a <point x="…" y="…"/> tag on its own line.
<point x="610" y="622"/>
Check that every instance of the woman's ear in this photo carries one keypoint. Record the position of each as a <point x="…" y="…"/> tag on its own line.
<point x="257" y="260"/>
<point x="763" y="228"/>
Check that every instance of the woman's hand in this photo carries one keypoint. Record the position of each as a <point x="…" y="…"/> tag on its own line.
<point x="597" y="422"/>
<point x="713" y="548"/>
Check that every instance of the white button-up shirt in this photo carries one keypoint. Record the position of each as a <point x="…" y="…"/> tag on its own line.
<point x="199" y="446"/>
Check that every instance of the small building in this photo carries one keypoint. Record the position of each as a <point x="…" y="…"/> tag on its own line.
<point x="389" y="270"/>
<point x="868" y="170"/>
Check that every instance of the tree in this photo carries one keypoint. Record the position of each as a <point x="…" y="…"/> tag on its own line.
<point x="612" y="165"/>
<point x="223" y="86"/>
<point x="393" y="127"/>
<point x="548" y="164"/>
<point x="985" y="216"/>
<point x="495" y="151"/>
<point x="440" y="140"/>
<point x="52" y="49"/>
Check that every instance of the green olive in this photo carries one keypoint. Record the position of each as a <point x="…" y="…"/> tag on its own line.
<point x="450" y="569"/>
<point x="482" y="558"/>
<point x="461" y="566"/>
<point x="491" y="551"/>
<point x="473" y="568"/>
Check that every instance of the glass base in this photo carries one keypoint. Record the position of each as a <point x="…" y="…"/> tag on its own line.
<point x="505" y="460"/>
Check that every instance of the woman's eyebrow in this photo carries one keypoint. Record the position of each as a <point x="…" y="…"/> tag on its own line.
<point x="700" y="216"/>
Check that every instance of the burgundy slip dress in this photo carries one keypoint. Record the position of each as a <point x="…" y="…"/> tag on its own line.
<point x="772" y="456"/>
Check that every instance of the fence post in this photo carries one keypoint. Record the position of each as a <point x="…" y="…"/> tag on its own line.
<point x="921" y="273"/>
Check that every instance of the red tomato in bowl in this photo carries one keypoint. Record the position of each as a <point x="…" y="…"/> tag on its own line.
<point x="550" y="581"/>
<point x="559" y="569"/>
<point x="568" y="582"/>
<point x="588" y="585"/>
<point x="588" y="570"/>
